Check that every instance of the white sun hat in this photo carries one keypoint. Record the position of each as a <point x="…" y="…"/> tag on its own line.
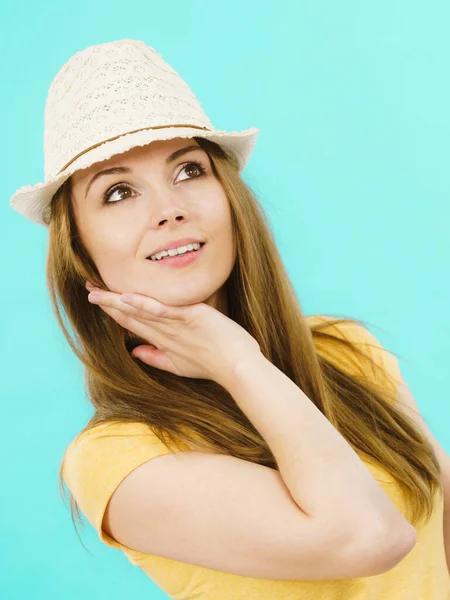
<point x="107" y="99"/>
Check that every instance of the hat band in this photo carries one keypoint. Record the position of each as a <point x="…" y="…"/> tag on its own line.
<point x="128" y="132"/>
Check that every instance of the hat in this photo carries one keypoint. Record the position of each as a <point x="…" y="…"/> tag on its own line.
<point x="107" y="99"/>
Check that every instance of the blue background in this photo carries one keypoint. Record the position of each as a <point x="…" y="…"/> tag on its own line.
<point x="351" y="164"/>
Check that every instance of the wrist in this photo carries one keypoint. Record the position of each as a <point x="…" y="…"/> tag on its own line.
<point x="241" y="365"/>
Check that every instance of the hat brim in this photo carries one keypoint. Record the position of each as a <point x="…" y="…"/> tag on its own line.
<point x="33" y="201"/>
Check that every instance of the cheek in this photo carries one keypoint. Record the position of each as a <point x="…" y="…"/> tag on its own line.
<point x="219" y="211"/>
<point x="226" y="243"/>
<point x="112" y="250"/>
<point x="228" y="224"/>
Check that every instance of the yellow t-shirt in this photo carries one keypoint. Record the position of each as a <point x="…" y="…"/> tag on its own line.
<point x="96" y="465"/>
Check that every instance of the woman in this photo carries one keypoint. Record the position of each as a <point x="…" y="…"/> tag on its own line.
<point x="286" y="467"/>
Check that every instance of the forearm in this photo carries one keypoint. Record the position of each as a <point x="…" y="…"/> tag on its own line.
<point x="323" y="473"/>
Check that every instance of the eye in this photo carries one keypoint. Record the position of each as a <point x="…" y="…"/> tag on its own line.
<point x="124" y="186"/>
<point x="200" y="168"/>
<point x="111" y="191"/>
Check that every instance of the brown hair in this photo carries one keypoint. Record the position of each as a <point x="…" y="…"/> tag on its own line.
<point x="200" y="412"/>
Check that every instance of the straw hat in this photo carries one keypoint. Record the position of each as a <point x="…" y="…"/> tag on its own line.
<point x="108" y="99"/>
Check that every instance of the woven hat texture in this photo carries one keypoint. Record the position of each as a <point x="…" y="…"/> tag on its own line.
<point x="107" y="99"/>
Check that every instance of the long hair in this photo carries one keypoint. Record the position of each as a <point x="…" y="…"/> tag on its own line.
<point x="200" y="412"/>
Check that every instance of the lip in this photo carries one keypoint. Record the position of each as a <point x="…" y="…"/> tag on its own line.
<point x="175" y="244"/>
<point x="180" y="260"/>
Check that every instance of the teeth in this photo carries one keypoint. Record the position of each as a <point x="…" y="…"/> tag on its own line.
<point x="174" y="251"/>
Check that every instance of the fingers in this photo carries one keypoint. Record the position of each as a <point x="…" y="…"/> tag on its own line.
<point x="127" y="321"/>
<point x="143" y="305"/>
<point x="140" y="307"/>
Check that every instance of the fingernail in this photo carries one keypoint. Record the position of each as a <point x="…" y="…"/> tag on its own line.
<point x="94" y="297"/>
<point x="89" y="286"/>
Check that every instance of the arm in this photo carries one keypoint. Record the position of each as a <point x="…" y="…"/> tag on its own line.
<point x="324" y="475"/>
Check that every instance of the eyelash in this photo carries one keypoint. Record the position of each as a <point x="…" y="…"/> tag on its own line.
<point x="123" y="185"/>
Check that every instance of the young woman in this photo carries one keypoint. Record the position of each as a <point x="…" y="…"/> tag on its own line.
<point x="238" y="448"/>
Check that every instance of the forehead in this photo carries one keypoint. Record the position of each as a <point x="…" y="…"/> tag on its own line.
<point x="154" y="150"/>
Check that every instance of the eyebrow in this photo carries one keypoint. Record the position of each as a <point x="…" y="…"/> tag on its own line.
<point x="115" y="170"/>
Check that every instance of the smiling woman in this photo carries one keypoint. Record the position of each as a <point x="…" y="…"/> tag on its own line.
<point x="238" y="448"/>
<point x="167" y="200"/>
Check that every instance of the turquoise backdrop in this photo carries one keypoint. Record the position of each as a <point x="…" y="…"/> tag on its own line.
<point x="352" y="165"/>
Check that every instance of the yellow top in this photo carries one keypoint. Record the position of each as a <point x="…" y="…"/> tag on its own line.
<point x="96" y="465"/>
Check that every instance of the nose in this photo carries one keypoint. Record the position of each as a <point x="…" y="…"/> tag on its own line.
<point x="177" y="217"/>
<point x="171" y="212"/>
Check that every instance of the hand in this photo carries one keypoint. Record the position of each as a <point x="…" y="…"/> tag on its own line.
<point x="191" y="341"/>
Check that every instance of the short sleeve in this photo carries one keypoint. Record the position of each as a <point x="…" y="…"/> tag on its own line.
<point x="98" y="460"/>
<point x="386" y="370"/>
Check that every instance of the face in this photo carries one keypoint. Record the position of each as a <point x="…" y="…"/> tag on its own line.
<point x="157" y="202"/>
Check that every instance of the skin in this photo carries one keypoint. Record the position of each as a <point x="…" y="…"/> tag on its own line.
<point x="163" y="203"/>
